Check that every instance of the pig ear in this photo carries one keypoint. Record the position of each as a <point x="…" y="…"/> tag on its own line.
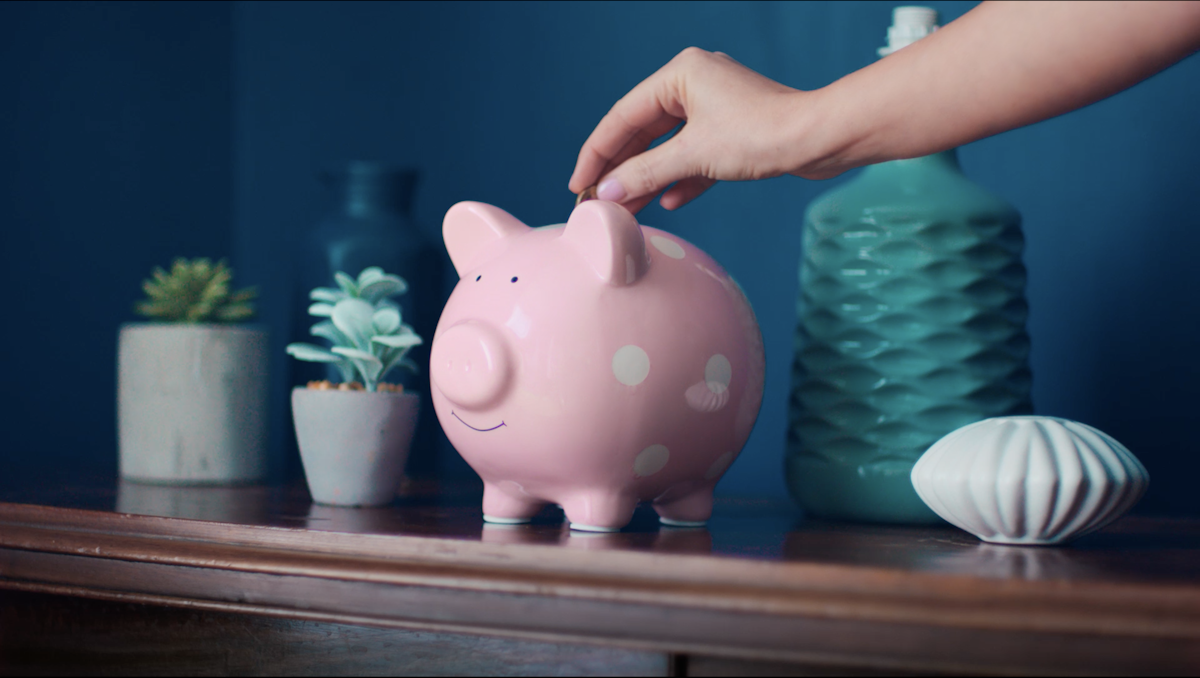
<point x="611" y="241"/>
<point x="473" y="231"/>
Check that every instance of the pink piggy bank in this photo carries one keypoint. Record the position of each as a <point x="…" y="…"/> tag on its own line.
<point x="592" y="365"/>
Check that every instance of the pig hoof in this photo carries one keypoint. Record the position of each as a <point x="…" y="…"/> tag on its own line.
<point x="504" y="521"/>
<point x="593" y="528"/>
<point x="682" y="523"/>
<point x="503" y="506"/>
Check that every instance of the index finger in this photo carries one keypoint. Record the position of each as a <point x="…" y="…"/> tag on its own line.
<point x="647" y="112"/>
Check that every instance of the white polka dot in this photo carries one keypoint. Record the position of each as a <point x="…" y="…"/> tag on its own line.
<point x="667" y="246"/>
<point x="651" y="460"/>
<point x="719" y="466"/>
<point x="631" y="365"/>
<point x="718" y="373"/>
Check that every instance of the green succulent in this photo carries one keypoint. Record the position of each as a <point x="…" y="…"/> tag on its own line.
<point x="364" y="327"/>
<point x="373" y="286"/>
<point x="195" y="291"/>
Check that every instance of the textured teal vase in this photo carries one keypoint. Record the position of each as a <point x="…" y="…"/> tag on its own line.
<point x="911" y="324"/>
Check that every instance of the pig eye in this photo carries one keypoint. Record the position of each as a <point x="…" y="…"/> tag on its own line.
<point x="514" y="279"/>
<point x="477" y="278"/>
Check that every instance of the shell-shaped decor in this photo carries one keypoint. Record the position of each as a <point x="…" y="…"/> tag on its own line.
<point x="1029" y="480"/>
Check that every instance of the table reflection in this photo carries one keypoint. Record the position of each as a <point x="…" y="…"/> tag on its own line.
<point x="219" y="504"/>
<point x="1159" y="549"/>
<point x="691" y="540"/>
<point x="1019" y="562"/>
<point x="358" y="520"/>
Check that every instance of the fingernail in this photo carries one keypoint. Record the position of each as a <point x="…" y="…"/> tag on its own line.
<point x="611" y="190"/>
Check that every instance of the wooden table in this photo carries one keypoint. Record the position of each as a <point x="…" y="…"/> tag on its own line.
<point x="104" y="577"/>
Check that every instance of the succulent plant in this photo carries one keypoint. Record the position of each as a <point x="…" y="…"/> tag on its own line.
<point x="364" y="327"/>
<point x="195" y="291"/>
<point x="373" y="286"/>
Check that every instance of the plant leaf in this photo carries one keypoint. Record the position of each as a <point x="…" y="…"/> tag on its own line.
<point x="327" y="294"/>
<point x="386" y="286"/>
<point x="395" y="358"/>
<point x="368" y="365"/>
<point x="242" y="295"/>
<point x="356" y="354"/>
<point x="398" y="340"/>
<point x="386" y="320"/>
<point x="321" y="310"/>
<point x="311" y="353"/>
<point x="347" y="368"/>
<point x="346" y="283"/>
<point x="235" y="312"/>
<point x="354" y="318"/>
<point x="155" y="290"/>
<point x="369" y="274"/>
<point x="326" y="330"/>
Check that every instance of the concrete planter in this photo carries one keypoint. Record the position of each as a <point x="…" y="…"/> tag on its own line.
<point x="354" y="444"/>
<point x="191" y="403"/>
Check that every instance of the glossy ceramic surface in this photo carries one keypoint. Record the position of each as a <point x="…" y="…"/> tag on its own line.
<point x="592" y="365"/>
<point x="1029" y="480"/>
<point x="911" y="324"/>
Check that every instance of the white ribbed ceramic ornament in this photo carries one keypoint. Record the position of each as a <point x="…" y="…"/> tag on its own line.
<point x="1029" y="480"/>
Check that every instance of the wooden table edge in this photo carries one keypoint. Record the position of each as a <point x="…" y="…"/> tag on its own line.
<point x="725" y="584"/>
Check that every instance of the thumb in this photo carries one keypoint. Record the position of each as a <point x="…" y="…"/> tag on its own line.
<point x="647" y="174"/>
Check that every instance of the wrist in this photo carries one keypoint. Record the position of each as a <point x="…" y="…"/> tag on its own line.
<point x="828" y="135"/>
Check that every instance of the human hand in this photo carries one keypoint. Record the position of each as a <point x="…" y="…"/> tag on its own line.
<point x="739" y="125"/>
<point x="1000" y="66"/>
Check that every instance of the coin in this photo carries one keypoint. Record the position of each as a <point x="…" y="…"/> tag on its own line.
<point x="588" y="193"/>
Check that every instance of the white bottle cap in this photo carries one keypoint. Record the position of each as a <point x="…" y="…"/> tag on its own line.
<point x="909" y="24"/>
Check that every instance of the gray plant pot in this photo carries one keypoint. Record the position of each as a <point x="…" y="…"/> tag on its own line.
<point x="191" y="403"/>
<point x="354" y="444"/>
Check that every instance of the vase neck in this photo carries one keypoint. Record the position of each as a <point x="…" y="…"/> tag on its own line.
<point x="368" y="189"/>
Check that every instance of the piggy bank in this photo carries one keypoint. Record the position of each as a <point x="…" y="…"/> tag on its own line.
<point x="593" y="365"/>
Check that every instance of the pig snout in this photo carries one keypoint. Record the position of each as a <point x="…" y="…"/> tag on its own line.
<point x="469" y="364"/>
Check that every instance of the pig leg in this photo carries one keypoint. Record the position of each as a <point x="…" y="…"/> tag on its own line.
<point x="599" y="511"/>
<point x="690" y="509"/>
<point x="500" y="506"/>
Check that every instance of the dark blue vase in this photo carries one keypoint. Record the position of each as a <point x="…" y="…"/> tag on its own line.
<point x="371" y="224"/>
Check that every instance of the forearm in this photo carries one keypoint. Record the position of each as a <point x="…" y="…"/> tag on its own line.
<point x="1000" y="66"/>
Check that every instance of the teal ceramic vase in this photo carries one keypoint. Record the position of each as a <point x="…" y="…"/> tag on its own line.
<point x="911" y="324"/>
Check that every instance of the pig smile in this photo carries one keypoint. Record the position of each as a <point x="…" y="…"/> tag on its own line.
<point x="481" y="430"/>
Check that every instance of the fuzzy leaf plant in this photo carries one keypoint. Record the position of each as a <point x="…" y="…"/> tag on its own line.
<point x="195" y="291"/>
<point x="368" y="337"/>
<point x="372" y="286"/>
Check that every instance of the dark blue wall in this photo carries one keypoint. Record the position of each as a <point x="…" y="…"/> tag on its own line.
<point x="115" y="156"/>
<point x="492" y="102"/>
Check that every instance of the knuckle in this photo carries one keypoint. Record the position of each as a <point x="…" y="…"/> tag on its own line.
<point x="692" y="55"/>
<point x="641" y="177"/>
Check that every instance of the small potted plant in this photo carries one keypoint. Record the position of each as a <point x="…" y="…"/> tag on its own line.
<point x="191" y="383"/>
<point x="355" y="436"/>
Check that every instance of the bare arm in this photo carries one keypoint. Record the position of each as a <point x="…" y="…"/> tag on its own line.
<point x="1000" y="66"/>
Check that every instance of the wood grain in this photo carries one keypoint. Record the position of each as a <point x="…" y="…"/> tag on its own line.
<point x="55" y="635"/>
<point x="809" y="596"/>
